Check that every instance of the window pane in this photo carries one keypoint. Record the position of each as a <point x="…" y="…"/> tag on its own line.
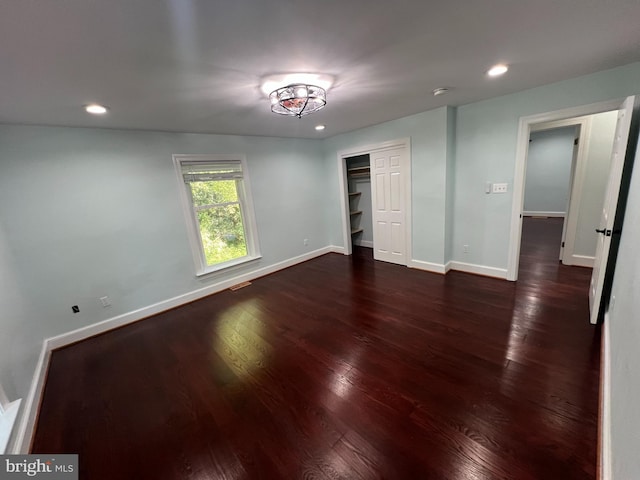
<point x="222" y="233"/>
<point x="212" y="192"/>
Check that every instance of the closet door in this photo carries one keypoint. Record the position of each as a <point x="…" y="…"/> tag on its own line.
<point x="389" y="209"/>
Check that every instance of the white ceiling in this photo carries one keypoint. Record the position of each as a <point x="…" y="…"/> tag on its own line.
<point x="196" y="65"/>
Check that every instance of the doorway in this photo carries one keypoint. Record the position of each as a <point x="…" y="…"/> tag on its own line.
<point x="551" y="161"/>
<point x="390" y="180"/>
<point x="577" y="225"/>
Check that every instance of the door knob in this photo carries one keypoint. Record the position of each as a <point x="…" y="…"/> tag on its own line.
<point x="601" y="231"/>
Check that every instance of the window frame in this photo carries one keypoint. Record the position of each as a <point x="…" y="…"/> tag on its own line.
<point x="189" y="212"/>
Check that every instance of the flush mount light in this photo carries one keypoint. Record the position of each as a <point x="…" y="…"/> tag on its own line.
<point x="320" y="127"/>
<point x="272" y="82"/>
<point x="440" y="91"/>
<point x="498" y="70"/>
<point x="96" y="109"/>
<point x="298" y="100"/>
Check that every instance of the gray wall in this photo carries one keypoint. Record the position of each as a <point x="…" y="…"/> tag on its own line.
<point x="549" y="170"/>
<point x="88" y="212"/>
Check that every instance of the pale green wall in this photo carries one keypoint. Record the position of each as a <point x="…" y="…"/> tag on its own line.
<point x="624" y="325"/>
<point x="486" y="136"/>
<point x="450" y="182"/>
<point x="88" y="213"/>
<point x="428" y="133"/>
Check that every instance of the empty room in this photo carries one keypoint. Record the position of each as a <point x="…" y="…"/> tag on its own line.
<point x="298" y="240"/>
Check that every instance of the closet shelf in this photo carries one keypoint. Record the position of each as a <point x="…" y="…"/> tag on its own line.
<point x="355" y="212"/>
<point x="358" y="169"/>
<point x="353" y="194"/>
<point x="355" y="230"/>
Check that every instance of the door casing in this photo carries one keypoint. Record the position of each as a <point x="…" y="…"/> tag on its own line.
<point x="402" y="143"/>
<point x="524" y="130"/>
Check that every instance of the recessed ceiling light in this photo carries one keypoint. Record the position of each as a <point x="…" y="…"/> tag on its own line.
<point x="498" y="70"/>
<point x="96" y="109"/>
<point x="440" y="91"/>
<point x="320" y="127"/>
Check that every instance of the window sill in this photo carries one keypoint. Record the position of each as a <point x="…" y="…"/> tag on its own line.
<point x="228" y="266"/>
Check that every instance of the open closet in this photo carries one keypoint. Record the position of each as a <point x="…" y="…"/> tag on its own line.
<point x="360" y="205"/>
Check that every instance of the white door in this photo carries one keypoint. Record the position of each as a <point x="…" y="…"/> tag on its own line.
<point x="605" y="228"/>
<point x="389" y="209"/>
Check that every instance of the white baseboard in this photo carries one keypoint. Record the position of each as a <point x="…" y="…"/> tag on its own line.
<point x="605" y="433"/>
<point x="31" y="408"/>
<point x="337" y="249"/>
<point x="32" y="405"/>
<point x="427" y="266"/>
<point x="130" y="317"/>
<point x="365" y="243"/>
<point x="582" y="260"/>
<point x="543" y="214"/>
<point x="477" y="269"/>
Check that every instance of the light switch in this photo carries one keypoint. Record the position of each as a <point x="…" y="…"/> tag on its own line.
<point x="500" y="187"/>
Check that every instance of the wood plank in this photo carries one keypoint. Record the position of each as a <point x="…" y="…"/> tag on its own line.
<point x="344" y="367"/>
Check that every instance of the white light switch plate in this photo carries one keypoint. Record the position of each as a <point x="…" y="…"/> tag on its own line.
<point x="500" y="187"/>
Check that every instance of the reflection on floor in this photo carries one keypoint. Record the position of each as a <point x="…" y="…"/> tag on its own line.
<point x="342" y="367"/>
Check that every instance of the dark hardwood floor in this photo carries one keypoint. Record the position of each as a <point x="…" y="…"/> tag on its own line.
<point x="343" y="367"/>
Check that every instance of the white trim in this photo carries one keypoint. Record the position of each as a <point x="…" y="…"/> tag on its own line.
<point x="530" y="213"/>
<point x="578" y="174"/>
<point x="478" y="269"/>
<point x="524" y="125"/>
<point x="401" y="143"/>
<point x="427" y="266"/>
<point x="32" y="405"/>
<point x="581" y="260"/>
<point x="247" y="210"/>
<point x="8" y="419"/>
<point x="338" y="249"/>
<point x="130" y="317"/>
<point x="605" y="433"/>
<point x="27" y="424"/>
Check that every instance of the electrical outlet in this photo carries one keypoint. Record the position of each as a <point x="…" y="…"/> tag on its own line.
<point x="465" y="248"/>
<point x="500" y="187"/>
<point x="305" y="242"/>
<point x="105" y="301"/>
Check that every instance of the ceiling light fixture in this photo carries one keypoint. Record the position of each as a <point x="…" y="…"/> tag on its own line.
<point x="320" y="127"/>
<point x="498" y="70"/>
<point x="298" y="99"/>
<point x="95" y="109"/>
<point x="440" y="91"/>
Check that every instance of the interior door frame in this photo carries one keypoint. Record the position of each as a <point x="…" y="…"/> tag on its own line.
<point x="576" y="181"/>
<point x="342" y="155"/>
<point x="524" y="131"/>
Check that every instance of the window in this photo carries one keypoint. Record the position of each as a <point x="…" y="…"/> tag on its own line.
<point x="218" y="209"/>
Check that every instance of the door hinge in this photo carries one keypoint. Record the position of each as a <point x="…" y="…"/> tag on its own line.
<point x="575" y="142"/>
<point x="562" y="244"/>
